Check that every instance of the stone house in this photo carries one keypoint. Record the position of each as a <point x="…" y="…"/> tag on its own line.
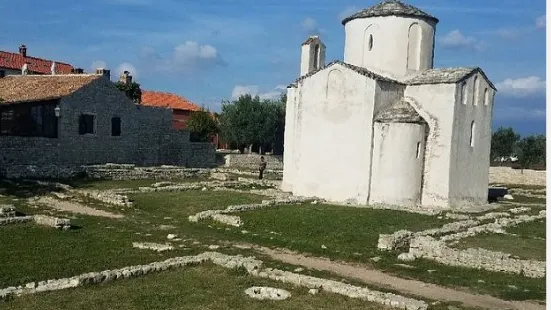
<point x="181" y="107"/>
<point x="53" y="124"/>
<point x="13" y="64"/>
<point x="401" y="131"/>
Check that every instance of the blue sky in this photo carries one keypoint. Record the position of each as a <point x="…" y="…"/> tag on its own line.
<point x="211" y="50"/>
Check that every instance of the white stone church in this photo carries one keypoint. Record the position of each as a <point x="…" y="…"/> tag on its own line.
<point x="384" y="126"/>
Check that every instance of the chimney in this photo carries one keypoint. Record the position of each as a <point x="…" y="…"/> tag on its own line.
<point x="125" y="78"/>
<point x="312" y="55"/>
<point x="52" y="68"/>
<point x="23" y="50"/>
<point x="104" y="72"/>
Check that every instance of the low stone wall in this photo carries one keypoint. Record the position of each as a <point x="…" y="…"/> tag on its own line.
<point x="507" y="175"/>
<point x="132" y="172"/>
<point x="251" y="161"/>
<point x="252" y="265"/>
<point x="430" y="248"/>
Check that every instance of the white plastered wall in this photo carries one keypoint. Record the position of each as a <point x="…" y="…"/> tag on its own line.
<point x="470" y="164"/>
<point x="289" y="140"/>
<point x="389" y="53"/>
<point x="435" y="103"/>
<point x="331" y="140"/>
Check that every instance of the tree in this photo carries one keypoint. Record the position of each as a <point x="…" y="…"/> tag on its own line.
<point x="132" y="90"/>
<point x="531" y="150"/>
<point x="503" y="142"/>
<point x="202" y="126"/>
<point x="250" y="121"/>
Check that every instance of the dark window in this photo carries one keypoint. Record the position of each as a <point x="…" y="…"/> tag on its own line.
<point x="29" y="120"/>
<point x="370" y="42"/>
<point x="6" y="122"/>
<point x="2" y="73"/>
<point x="116" y="126"/>
<point x="316" y="56"/>
<point x="87" y="124"/>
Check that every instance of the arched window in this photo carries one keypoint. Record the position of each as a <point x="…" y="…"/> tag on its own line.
<point x="414" y="47"/>
<point x="370" y="44"/>
<point x="475" y="91"/>
<point x="473" y="129"/>
<point x="486" y="96"/>
<point x="464" y="92"/>
<point x="316" y="56"/>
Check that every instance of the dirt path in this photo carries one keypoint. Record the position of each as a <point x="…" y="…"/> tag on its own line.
<point x="413" y="287"/>
<point x="74" y="207"/>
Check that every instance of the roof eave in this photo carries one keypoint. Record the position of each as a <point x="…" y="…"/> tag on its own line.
<point x="429" y="18"/>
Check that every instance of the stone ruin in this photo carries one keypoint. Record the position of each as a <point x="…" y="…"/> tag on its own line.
<point x="270" y="293"/>
<point x="8" y="215"/>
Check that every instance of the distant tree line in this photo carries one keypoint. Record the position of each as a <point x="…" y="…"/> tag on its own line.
<point x="529" y="151"/>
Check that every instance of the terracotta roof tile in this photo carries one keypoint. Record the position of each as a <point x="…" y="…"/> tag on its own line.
<point x="25" y="88"/>
<point x="167" y="100"/>
<point x="15" y="61"/>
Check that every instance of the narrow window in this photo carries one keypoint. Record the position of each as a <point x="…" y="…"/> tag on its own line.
<point x="316" y="56"/>
<point x="370" y="46"/>
<point x="87" y="124"/>
<point x="6" y="122"/>
<point x="486" y="96"/>
<point x="473" y="127"/>
<point x="418" y="149"/>
<point x="475" y="91"/>
<point x="115" y="126"/>
<point x="464" y="92"/>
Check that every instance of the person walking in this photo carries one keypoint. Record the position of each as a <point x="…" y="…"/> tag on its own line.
<point x="261" y="168"/>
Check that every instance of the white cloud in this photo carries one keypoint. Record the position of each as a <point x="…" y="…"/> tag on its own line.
<point x="98" y="64"/>
<point x="510" y="33"/>
<point x="457" y="40"/>
<point x="125" y="66"/>
<point x="254" y="90"/>
<point x="309" y="24"/>
<point x="541" y="22"/>
<point x="522" y="87"/>
<point x="347" y="12"/>
<point x="185" y="58"/>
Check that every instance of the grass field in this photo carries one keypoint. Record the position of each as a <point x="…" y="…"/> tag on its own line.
<point x="526" y="241"/>
<point x="33" y="253"/>
<point x="201" y="287"/>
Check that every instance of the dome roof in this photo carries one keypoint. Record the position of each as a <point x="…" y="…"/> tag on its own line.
<point x="399" y="112"/>
<point x="391" y="8"/>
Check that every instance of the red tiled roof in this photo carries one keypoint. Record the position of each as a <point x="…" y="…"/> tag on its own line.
<point x="15" y="61"/>
<point x="167" y="100"/>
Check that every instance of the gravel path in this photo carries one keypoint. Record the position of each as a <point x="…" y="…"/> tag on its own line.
<point x="74" y="207"/>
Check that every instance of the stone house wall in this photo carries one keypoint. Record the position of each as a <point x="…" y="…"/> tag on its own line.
<point x="146" y="136"/>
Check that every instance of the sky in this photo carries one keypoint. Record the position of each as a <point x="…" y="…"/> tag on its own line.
<point x="213" y="50"/>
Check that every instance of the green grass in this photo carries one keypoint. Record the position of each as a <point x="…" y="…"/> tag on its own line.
<point x="344" y="230"/>
<point x="180" y="205"/>
<point x="351" y="234"/>
<point x="527" y="243"/>
<point x="34" y="253"/>
<point x="201" y="287"/>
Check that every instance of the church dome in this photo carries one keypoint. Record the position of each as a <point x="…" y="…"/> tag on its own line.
<point x="391" y="8"/>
